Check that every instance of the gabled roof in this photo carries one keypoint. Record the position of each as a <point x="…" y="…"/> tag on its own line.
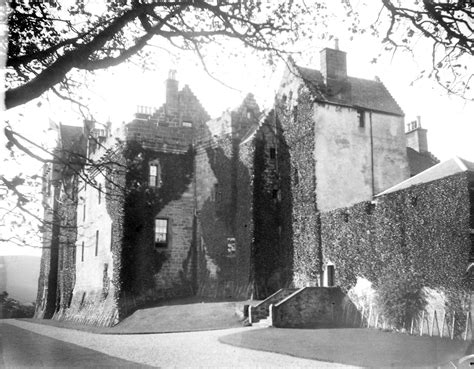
<point x="356" y="92"/>
<point x="420" y="161"/>
<point x="446" y="168"/>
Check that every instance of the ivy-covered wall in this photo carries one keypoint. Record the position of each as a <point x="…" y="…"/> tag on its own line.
<point x="141" y="262"/>
<point x="421" y="232"/>
<point x="297" y="142"/>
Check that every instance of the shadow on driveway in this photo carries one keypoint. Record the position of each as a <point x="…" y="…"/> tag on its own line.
<point x="183" y="315"/>
<point x="361" y="347"/>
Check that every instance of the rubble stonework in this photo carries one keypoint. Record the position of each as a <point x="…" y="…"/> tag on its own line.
<point x="239" y="206"/>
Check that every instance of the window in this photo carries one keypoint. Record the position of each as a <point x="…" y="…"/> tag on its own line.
<point x="96" y="243"/>
<point x="331" y="275"/>
<point x="82" y="251"/>
<point x="361" y="118"/>
<point x="155" y="175"/>
<point x="275" y="194"/>
<point x="161" y="232"/>
<point x="296" y="177"/>
<point x="231" y="247"/>
<point x="215" y="193"/>
<point x="272" y="153"/>
<point x="295" y="112"/>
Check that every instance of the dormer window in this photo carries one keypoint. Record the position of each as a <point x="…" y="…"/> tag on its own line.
<point x="155" y="174"/>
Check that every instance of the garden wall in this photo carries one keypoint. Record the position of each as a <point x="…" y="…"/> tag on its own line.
<point x="419" y="235"/>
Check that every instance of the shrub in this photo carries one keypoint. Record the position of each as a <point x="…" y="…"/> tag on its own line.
<point x="400" y="297"/>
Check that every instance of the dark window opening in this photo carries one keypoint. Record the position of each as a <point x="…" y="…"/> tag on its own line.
<point x="161" y="233"/>
<point x="295" y="112"/>
<point x="216" y="195"/>
<point x="414" y="201"/>
<point x="96" y="243"/>
<point x="345" y="216"/>
<point x="370" y="208"/>
<point x="361" y="118"/>
<point x="296" y="177"/>
<point x="272" y="153"/>
<point x="331" y="275"/>
<point x="275" y="194"/>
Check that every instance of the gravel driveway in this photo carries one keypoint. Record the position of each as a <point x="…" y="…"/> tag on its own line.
<point x="176" y="350"/>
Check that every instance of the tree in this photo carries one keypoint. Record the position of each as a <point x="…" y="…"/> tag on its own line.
<point x="448" y="25"/>
<point x="47" y="41"/>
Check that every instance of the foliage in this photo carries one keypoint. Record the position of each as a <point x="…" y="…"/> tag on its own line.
<point x="448" y="28"/>
<point x="11" y="308"/>
<point x="416" y="237"/>
<point x="139" y="259"/>
<point x="47" y="39"/>
<point x="400" y="297"/>
<point x="296" y="130"/>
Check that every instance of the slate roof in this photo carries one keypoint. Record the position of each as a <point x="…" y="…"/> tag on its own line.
<point x="356" y="92"/>
<point x="444" y="169"/>
<point x="420" y="161"/>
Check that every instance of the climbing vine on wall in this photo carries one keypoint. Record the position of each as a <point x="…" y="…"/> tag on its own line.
<point x="421" y="232"/>
<point x="139" y="259"/>
<point x="296" y="131"/>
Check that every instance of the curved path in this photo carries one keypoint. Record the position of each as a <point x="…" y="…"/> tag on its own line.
<point x="172" y="350"/>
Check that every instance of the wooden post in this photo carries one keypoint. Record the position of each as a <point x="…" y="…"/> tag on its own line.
<point x="442" y="325"/>
<point x="362" y="317"/>
<point x="370" y="316"/>
<point x="452" y="328"/>
<point x="467" y="326"/>
<point x="432" y="323"/>
<point x="422" y="320"/>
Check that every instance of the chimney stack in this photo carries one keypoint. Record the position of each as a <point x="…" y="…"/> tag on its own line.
<point x="172" y="89"/>
<point x="416" y="136"/>
<point x="333" y="63"/>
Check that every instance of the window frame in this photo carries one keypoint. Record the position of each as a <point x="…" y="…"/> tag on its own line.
<point x="162" y="244"/>
<point x="156" y="181"/>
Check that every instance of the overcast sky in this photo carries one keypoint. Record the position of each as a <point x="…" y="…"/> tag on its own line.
<point x="115" y="93"/>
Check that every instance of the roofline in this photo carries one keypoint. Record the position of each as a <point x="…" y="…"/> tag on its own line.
<point x="358" y="107"/>
<point x="455" y="158"/>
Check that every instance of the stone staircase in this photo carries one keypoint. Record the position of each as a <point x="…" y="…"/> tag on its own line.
<point x="259" y="315"/>
<point x="301" y="308"/>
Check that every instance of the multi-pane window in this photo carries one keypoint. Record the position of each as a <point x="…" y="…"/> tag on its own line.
<point x="155" y="175"/>
<point x="161" y="232"/>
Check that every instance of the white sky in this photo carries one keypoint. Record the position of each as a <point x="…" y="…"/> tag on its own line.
<point x="116" y="92"/>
